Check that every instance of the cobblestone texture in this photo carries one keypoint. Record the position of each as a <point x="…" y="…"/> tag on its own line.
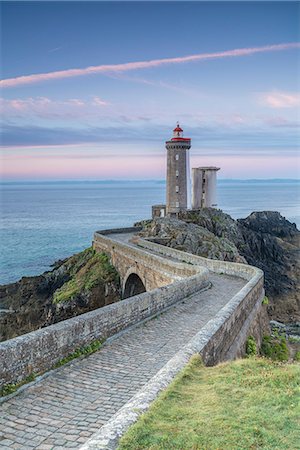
<point x="64" y="409"/>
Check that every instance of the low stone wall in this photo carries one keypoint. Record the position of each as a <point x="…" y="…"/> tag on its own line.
<point x="229" y="268"/>
<point x="39" y="350"/>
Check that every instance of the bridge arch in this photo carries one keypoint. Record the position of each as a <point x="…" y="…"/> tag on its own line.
<point x="133" y="284"/>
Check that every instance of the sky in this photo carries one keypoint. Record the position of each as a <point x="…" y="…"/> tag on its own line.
<point x="92" y="90"/>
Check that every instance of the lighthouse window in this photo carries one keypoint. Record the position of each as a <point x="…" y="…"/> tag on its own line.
<point x="177" y="173"/>
<point x="177" y="157"/>
<point x="177" y="188"/>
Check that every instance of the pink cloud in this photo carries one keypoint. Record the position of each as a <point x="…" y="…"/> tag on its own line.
<point x="278" y="99"/>
<point x="125" y="67"/>
<point x="99" y="102"/>
<point x="44" y="107"/>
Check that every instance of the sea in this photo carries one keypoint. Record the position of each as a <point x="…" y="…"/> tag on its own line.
<point x="41" y="222"/>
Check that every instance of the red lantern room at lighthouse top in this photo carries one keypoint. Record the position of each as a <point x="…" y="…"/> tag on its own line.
<point x="177" y="134"/>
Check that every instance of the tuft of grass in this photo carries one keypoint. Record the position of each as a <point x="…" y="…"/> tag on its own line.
<point x="297" y="356"/>
<point x="89" y="269"/>
<point x="241" y="405"/>
<point x="82" y="351"/>
<point x="265" y="300"/>
<point x="12" y="387"/>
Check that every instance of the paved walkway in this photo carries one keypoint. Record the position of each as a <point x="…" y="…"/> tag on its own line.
<point x="64" y="409"/>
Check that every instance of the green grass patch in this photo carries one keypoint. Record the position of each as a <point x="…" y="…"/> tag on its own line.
<point x="246" y="404"/>
<point x="82" y="351"/>
<point x="89" y="269"/>
<point x="12" y="387"/>
<point x="265" y="300"/>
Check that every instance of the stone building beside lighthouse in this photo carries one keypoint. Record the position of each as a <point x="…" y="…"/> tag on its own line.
<point x="178" y="187"/>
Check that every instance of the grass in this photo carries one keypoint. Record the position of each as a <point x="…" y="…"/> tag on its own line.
<point x="82" y="351"/>
<point x="89" y="269"/>
<point x="247" y="404"/>
<point x="12" y="387"/>
<point x="265" y="300"/>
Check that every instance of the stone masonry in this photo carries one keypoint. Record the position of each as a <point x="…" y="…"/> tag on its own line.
<point x="65" y="408"/>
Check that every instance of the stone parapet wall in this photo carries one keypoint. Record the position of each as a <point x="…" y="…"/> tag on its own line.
<point x="244" y="271"/>
<point x="39" y="350"/>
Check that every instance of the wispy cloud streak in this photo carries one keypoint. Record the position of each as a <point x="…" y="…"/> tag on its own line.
<point x="281" y="99"/>
<point x="125" y="67"/>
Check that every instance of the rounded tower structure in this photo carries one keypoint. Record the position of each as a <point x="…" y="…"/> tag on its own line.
<point x="204" y="187"/>
<point x="178" y="172"/>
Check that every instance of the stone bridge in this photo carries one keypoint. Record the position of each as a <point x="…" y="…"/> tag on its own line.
<point x="141" y="269"/>
<point x="200" y="306"/>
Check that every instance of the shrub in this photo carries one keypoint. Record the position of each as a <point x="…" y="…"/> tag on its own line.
<point x="275" y="348"/>
<point x="297" y="356"/>
<point x="251" y="348"/>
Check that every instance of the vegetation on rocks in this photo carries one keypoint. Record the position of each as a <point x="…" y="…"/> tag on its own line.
<point x="251" y="347"/>
<point x="78" y="284"/>
<point x="242" y="405"/>
<point x="89" y="270"/>
<point x="275" y="347"/>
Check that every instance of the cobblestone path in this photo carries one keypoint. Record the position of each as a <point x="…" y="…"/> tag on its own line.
<point x="65" y="408"/>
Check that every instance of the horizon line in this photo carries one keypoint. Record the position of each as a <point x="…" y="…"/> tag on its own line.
<point x="121" y="180"/>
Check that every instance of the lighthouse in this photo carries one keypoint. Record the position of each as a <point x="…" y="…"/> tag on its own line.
<point x="204" y="184"/>
<point x="178" y="172"/>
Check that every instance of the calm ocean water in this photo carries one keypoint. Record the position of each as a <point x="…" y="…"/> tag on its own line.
<point x="43" y="222"/>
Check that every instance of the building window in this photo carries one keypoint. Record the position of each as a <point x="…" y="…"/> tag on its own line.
<point x="177" y="173"/>
<point x="177" y="204"/>
<point x="177" y="157"/>
<point x="177" y="188"/>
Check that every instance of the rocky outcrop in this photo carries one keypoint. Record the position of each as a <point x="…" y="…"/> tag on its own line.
<point x="79" y="284"/>
<point x="192" y="238"/>
<point x="264" y="239"/>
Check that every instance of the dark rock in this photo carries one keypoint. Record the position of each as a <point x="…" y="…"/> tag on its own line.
<point x="29" y="303"/>
<point x="264" y="239"/>
<point x="191" y="238"/>
<point x="271" y="222"/>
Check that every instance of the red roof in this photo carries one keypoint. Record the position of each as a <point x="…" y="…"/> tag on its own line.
<point x="178" y="129"/>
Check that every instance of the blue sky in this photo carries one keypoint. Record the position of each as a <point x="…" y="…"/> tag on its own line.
<point x="240" y="108"/>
